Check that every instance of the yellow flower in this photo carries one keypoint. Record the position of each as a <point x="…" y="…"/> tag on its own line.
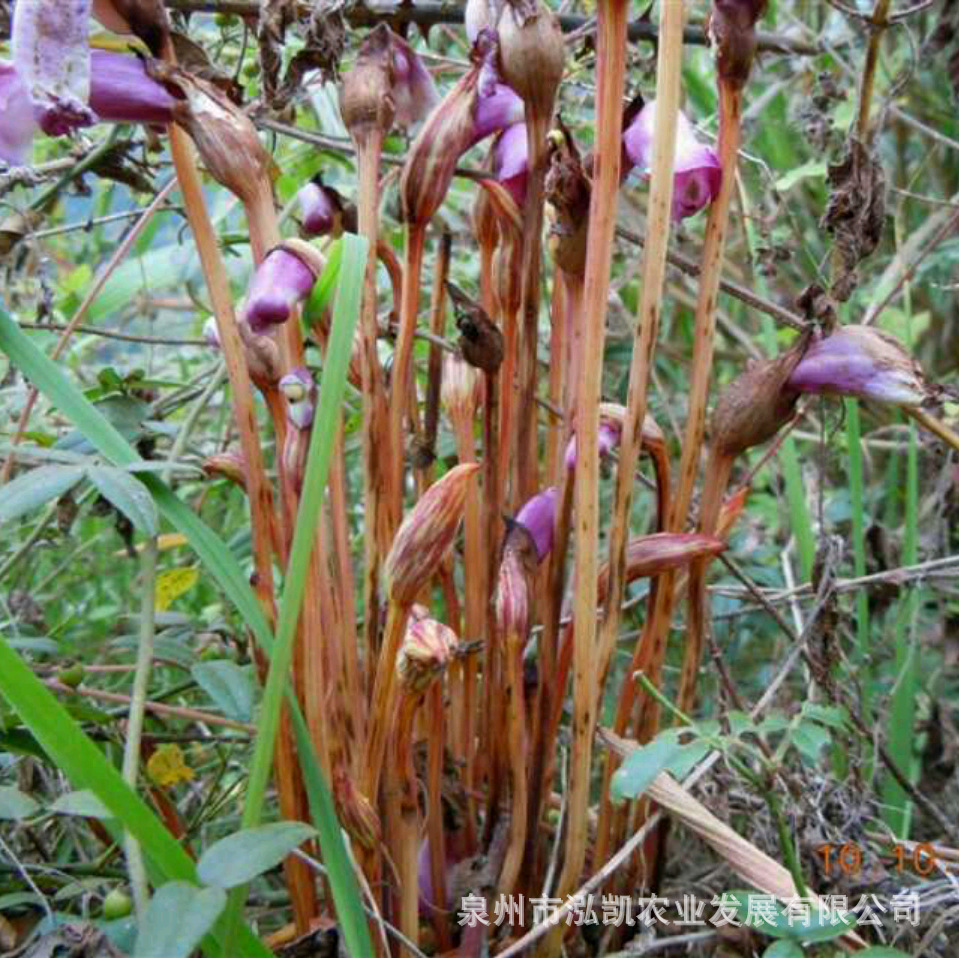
<point x="166" y="766"/>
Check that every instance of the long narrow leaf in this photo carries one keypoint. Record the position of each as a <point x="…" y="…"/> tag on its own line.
<point x="345" y="314"/>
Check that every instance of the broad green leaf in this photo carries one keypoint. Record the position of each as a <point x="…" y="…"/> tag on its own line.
<point x="641" y="766"/>
<point x="15" y="805"/>
<point x="784" y="948"/>
<point x="688" y="757"/>
<point x="832" y="715"/>
<point x="35" y="488"/>
<point x="236" y="859"/>
<point x="882" y="951"/>
<point x="810" y="739"/>
<point x="229" y="685"/>
<point x="128" y="495"/>
<point x="177" y="918"/>
<point x="82" y="802"/>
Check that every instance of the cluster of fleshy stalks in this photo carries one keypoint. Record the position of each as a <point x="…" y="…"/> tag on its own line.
<point x="57" y="84"/>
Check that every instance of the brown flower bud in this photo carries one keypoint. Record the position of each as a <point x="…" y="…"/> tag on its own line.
<point x="756" y="404"/>
<point x="426" y="535"/>
<point x="427" y="648"/>
<point x="224" y="135"/>
<point x="731" y="29"/>
<point x="229" y="465"/>
<point x="366" y="100"/>
<point x="512" y="593"/>
<point x="532" y="54"/>
<point x="662" y="551"/>
<point x="567" y="192"/>
<point x="461" y="389"/>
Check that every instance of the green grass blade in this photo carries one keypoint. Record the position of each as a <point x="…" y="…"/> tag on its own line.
<point x="345" y="314"/>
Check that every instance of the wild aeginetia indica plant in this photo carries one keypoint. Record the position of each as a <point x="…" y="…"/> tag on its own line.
<point x="414" y="578"/>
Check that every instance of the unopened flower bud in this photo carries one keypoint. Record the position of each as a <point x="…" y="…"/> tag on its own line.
<point x="427" y="648"/>
<point x="414" y="92"/>
<point x="460" y="388"/>
<point x="697" y="172"/>
<point x="282" y="281"/>
<point x="863" y="362"/>
<point x="427" y="534"/>
<point x="532" y="53"/>
<point x="229" y="465"/>
<point x="467" y="114"/>
<point x="755" y="405"/>
<point x="731" y="29"/>
<point x="511" y="602"/>
<point x="538" y="518"/>
<point x="657" y="553"/>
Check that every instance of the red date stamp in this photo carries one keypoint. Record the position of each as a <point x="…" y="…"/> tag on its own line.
<point x="847" y="858"/>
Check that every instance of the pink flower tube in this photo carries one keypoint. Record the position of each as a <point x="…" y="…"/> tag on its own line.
<point x="697" y="171"/>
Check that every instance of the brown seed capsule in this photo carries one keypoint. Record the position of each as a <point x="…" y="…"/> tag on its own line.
<point x="229" y="465"/>
<point x="756" y="404"/>
<point x="366" y="100"/>
<point x="532" y="53"/>
<point x="731" y="29"/>
<point x="426" y="535"/>
<point x="481" y="341"/>
<point x="224" y="135"/>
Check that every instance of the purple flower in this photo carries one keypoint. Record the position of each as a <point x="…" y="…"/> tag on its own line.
<point x="697" y="170"/>
<point x="122" y="92"/>
<point x="320" y="208"/>
<point x="862" y="362"/>
<point x="299" y="390"/>
<point x="538" y="517"/>
<point x="52" y="57"/>
<point x="610" y="431"/>
<point x="511" y="161"/>
<point x="495" y="110"/>
<point x="414" y="93"/>
<point x="282" y="281"/>
<point x="16" y="117"/>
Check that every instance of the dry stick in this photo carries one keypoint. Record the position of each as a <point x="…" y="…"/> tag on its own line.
<point x="611" y="69"/>
<point x="92" y="293"/>
<point x="158" y="708"/>
<point x="558" y="351"/>
<point x="935" y="426"/>
<point x="669" y="63"/>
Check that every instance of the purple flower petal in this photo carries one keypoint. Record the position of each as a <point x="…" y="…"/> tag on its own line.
<point x="414" y="93"/>
<point x="52" y="56"/>
<point x="318" y="208"/>
<point x="862" y="362"/>
<point x="121" y="91"/>
<point x="697" y="170"/>
<point x="500" y="109"/>
<point x="16" y="117"/>
<point x="511" y="161"/>
<point x="280" y="282"/>
<point x="538" y="517"/>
